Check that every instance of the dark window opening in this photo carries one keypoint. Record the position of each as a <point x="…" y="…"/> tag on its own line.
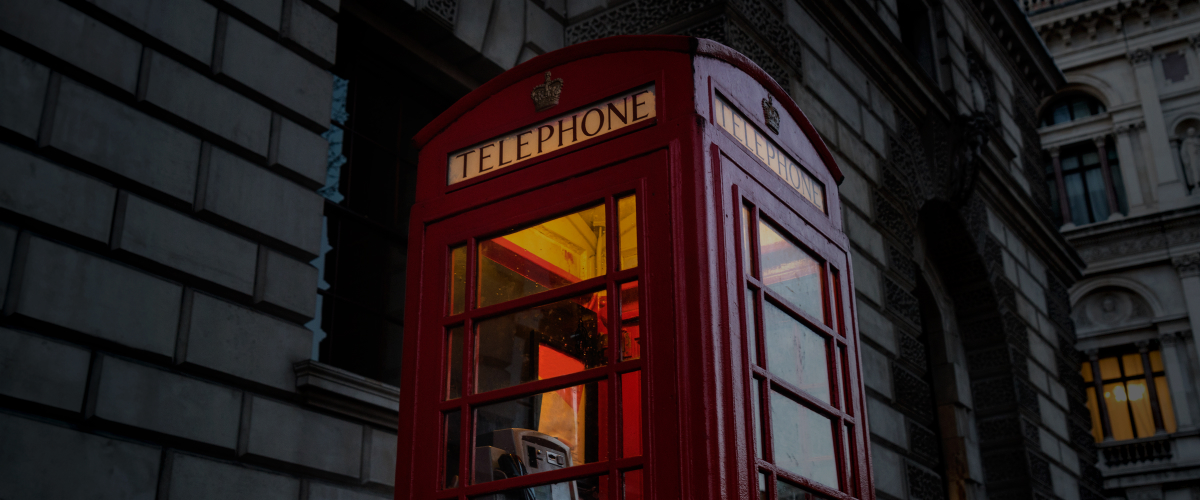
<point x="362" y="308"/>
<point x="1084" y="183"/>
<point x="1175" y="68"/>
<point x="916" y="34"/>
<point x="1071" y="107"/>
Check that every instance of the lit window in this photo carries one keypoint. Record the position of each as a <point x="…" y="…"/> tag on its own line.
<point x="1136" y="402"/>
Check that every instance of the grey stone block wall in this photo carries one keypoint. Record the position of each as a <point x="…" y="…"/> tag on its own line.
<point x="158" y="167"/>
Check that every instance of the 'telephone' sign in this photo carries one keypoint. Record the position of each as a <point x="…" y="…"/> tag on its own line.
<point x="581" y="125"/>
<point x="728" y="118"/>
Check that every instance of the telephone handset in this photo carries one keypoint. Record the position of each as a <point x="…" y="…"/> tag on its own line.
<point x="520" y="452"/>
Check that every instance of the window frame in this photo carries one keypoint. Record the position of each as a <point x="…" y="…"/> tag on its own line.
<point x="1148" y="376"/>
<point x="614" y="468"/>
<point x="762" y="384"/>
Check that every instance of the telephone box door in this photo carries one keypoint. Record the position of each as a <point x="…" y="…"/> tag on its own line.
<point x="545" y="311"/>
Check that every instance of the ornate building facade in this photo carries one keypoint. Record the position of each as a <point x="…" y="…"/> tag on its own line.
<point x="1120" y="157"/>
<point x="203" y="263"/>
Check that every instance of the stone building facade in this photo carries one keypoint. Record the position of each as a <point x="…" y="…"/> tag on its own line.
<point x="204" y="205"/>
<point x="1131" y="107"/>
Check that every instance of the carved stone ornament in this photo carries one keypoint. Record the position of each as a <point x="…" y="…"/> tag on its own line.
<point x="545" y="96"/>
<point x="771" y="115"/>
<point x="1187" y="265"/>
<point x="1140" y="56"/>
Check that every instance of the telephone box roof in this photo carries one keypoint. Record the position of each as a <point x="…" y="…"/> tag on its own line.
<point x="631" y="43"/>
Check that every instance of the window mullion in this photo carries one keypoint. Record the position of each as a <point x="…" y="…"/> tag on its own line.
<point x="1062" y="186"/>
<point x="1144" y="350"/>
<point x="1094" y="361"/>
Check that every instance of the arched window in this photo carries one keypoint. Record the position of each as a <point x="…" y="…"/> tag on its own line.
<point x="1071" y="107"/>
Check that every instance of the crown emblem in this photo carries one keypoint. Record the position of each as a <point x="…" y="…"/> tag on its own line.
<point x="545" y="96"/>
<point x="771" y="115"/>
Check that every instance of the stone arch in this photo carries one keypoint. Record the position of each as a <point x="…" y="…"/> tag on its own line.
<point x="987" y="407"/>
<point x="1110" y="308"/>
<point x="1180" y="125"/>
<point x="1084" y="84"/>
<point x="1142" y="291"/>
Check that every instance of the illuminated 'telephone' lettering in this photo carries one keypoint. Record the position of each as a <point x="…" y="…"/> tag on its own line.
<point x="584" y="124"/>
<point x="728" y="118"/>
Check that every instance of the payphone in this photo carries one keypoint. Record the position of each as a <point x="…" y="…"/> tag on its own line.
<point x="628" y="280"/>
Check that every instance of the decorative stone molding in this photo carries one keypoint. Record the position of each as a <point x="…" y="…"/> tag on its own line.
<point x="1187" y="265"/>
<point x="348" y="393"/>
<point x="1141" y="56"/>
<point x="1129" y="128"/>
<point x="445" y="10"/>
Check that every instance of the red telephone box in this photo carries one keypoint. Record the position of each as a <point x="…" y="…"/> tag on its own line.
<point x="628" y="280"/>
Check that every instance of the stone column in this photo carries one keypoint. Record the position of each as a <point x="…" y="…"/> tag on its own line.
<point x="1170" y="189"/>
<point x="1114" y="208"/>
<point x="1173" y="359"/>
<point x="1062" y="187"/>
<point x="1128" y="165"/>
<point x="1188" y="267"/>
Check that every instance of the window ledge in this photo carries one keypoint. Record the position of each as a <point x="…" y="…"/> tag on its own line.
<point x="348" y="393"/>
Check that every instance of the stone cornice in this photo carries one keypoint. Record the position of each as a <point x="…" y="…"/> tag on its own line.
<point x="1187" y="265"/>
<point x="1154" y="236"/>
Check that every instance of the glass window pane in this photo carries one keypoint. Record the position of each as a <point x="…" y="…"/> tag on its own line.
<point x="790" y="271"/>
<point x="1164" y="402"/>
<point x="756" y="409"/>
<point x="631" y="414"/>
<point x="453" y="438"/>
<point x="1069" y="162"/>
<point x="1132" y="364"/>
<point x="631" y="328"/>
<point x="1110" y="369"/>
<point x="751" y="324"/>
<point x="458" y="279"/>
<point x="548" y="431"/>
<point x="550" y="255"/>
<point x="1086" y="371"/>
<point x="588" y="488"/>
<point x="1090" y="158"/>
<point x="795" y="353"/>
<point x="848" y="458"/>
<point x="627" y="215"/>
<point x="1062" y="114"/>
<point x="1097" y="426"/>
<point x="1081" y="109"/>
<point x="747" y="256"/>
<point x="1139" y="403"/>
<point x="632" y="484"/>
<point x="1097" y="194"/>
<point x="1156" y="364"/>
<point x="788" y="491"/>
<point x="1116" y="401"/>
<point x="763" y="488"/>
<point x="1076" y="200"/>
<point x="454" y="377"/>
<point x="542" y="342"/>
<point x="803" y="441"/>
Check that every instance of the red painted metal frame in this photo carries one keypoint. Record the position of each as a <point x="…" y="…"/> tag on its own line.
<point x="690" y="178"/>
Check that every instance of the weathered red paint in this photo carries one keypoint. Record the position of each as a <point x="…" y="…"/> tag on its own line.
<point x="691" y="178"/>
